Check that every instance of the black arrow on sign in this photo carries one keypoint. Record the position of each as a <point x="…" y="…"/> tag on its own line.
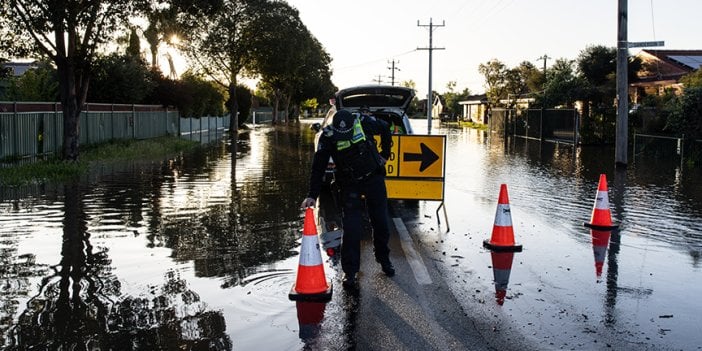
<point x="427" y="157"/>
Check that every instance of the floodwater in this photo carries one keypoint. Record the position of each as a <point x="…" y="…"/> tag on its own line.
<point x="200" y="251"/>
<point x="572" y="287"/>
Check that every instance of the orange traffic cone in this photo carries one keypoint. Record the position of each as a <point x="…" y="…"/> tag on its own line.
<point x="502" y="232"/>
<point x="601" y="218"/>
<point x="311" y="283"/>
<point x="600" y="242"/>
<point x="501" y="269"/>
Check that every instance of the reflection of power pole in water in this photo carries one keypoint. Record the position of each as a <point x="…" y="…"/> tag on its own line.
<point x="612" y="275"/>
<point x="614" y="247"/>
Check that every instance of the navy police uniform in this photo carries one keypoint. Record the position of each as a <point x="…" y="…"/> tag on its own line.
<point x="360" y="172"/>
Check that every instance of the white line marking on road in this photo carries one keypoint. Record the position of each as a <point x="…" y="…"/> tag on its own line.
<point x="413" y="258"/>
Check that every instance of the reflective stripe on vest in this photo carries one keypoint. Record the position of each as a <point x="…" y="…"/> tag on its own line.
<point x="357" y="136"/>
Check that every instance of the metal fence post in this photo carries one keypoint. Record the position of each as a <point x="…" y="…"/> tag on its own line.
<point x="541" y="125"/>
<point x="57" y="141"/>
<point x="133" y="122"/>
<point x="87" y="123"/>
<point x="14" y="127"/>
<point x="112" y="121"/>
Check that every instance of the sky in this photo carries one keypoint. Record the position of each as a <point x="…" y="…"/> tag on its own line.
<point x="363" y="37"/>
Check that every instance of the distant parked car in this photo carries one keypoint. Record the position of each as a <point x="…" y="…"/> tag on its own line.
<point x="389" y="103"/>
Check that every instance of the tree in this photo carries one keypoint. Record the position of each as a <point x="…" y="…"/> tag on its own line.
<point x="597" y="67"/>
<point x="216" y="45"/>
<point x="495" y="73"/>
<point x="134" y="46"/>
<point x="5" y="72"/>
<point x="244" y="97"/>
<point x="291" y="62"/>
<point x="409" y="84"/>
<point x="69" y="33"/>
<point x="36" y="84"/>
<point x="686" y="115"/>
<point x="692" y="80"/>
<point x="120" y="79"/>
<point x="452" y="99"/>
<point x="563" y="87"/>
<point x="192" y="94"/>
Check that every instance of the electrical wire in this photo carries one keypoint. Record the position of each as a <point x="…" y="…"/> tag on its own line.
<point x="373" y="61"/>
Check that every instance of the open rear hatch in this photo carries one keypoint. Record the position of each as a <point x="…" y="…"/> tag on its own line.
<point x="375" y="97"/>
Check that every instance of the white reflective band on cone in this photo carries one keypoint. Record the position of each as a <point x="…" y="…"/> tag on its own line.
<point x="310" y="254"/>
<point x="602" y="201"/>
<point x="502" y="216"/>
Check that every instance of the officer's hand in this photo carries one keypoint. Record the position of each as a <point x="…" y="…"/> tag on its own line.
<point x="308" y="202"/>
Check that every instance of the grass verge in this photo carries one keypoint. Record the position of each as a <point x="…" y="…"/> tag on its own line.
<point x="55" y="169"/>
<point x="479" y="126"/>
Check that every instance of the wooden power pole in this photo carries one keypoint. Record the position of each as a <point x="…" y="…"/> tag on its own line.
<point x="431" y="48"/>
<point x="622" y="143"/>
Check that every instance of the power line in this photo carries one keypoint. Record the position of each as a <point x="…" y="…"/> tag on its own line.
<point x="374" y="61"/>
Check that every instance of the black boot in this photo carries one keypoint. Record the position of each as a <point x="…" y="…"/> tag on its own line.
<point x="386" y="266"/>
<point x="349" y="281"/>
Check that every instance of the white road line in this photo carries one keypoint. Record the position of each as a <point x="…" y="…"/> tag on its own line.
<point x="413" y="258"/>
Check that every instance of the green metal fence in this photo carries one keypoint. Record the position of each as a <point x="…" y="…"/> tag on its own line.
<point x="29" y="130"/>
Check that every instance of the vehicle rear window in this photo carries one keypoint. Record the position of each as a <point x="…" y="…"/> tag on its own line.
<point x="373" y="100"/>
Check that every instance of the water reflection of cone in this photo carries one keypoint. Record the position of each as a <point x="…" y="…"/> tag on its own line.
<point x="600" y="241"/>
<point x="309" y="317"/>
<point x="502" y="233"/>
<point x="601" y="218"/>
<point x="311" y="283"/>
<point x="501" y="269"/>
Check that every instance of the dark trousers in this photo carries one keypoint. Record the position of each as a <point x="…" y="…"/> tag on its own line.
<point x="376" y="200"/>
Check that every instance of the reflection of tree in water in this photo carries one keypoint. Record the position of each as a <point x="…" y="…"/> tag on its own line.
<point x="15" y="284"/>
<point x="261" y="224"/>
<point x="175" y="319"/>
<point x="75" y="307"/>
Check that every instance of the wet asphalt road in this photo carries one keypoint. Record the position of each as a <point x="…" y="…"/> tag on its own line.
<point x="413" y="310"/>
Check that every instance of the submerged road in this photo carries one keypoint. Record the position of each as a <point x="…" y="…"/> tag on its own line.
<point x="413" y="310"/>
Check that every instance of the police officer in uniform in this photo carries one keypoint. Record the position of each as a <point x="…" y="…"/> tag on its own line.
<point x="360" y="171"/>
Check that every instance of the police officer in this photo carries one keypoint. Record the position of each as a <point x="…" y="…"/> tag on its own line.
<point x="360" y="171"/>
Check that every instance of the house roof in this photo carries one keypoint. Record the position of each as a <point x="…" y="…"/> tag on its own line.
<point x="474" y="100"/>
<point x="668" y="64"/>
<point x="18" y="68"/>
<point x="439" y="98"/>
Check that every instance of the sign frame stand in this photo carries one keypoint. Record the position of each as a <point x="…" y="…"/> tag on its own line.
<point x="438" y="218"/>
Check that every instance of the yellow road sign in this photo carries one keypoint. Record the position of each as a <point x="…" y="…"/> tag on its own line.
<point x="415" y="169"/>
<point x="421" y="156"/>
<point x="414" y="189"/>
